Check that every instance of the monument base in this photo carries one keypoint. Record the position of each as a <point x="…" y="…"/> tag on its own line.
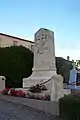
<point x="53" y="82"/>
<point x="38" y="77"/>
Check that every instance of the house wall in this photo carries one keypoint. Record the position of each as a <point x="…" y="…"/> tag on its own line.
<point x="6" y="41"/>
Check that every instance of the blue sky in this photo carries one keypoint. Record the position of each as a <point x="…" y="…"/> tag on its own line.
<point x="23" y="18"/>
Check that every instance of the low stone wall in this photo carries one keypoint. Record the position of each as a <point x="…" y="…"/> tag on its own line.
<point x="2" y="82"/>
<point x="46" y="106"/>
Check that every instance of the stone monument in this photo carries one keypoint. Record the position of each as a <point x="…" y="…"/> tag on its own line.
<point x="44" y="69"/>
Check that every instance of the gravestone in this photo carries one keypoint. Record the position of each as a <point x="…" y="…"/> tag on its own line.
<point x="44" y="69"/>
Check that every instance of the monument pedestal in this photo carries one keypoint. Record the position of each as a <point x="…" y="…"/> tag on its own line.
<point x="38" y="77"/>
<point x="53" y="82"/>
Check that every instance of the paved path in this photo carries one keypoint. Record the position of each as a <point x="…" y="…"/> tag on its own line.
<point x="12" y="111"/>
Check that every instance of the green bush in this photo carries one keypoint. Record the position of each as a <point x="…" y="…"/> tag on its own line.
<point x="69" y="107"/>
<point x="15" y="63"/>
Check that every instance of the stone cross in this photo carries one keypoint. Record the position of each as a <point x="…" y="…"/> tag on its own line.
<point x="40" y="48"/>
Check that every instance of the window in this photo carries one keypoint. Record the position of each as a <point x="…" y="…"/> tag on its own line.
<point x="15" y="43"/>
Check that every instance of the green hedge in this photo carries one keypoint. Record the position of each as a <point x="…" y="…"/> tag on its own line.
<point x="15" y="63"/>
<point x="69" y="107"/>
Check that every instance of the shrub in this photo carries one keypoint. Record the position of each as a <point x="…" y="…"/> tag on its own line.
<point x="69" y="107"/>
<point x="16" y="63"/>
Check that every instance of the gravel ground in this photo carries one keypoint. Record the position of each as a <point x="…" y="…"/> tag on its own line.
<point x="12" y="111"/>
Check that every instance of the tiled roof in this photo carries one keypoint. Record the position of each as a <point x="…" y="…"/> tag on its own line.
<point x="16" y="37"/>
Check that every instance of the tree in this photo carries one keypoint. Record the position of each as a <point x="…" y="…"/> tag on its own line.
<point x="63" y="67"/>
